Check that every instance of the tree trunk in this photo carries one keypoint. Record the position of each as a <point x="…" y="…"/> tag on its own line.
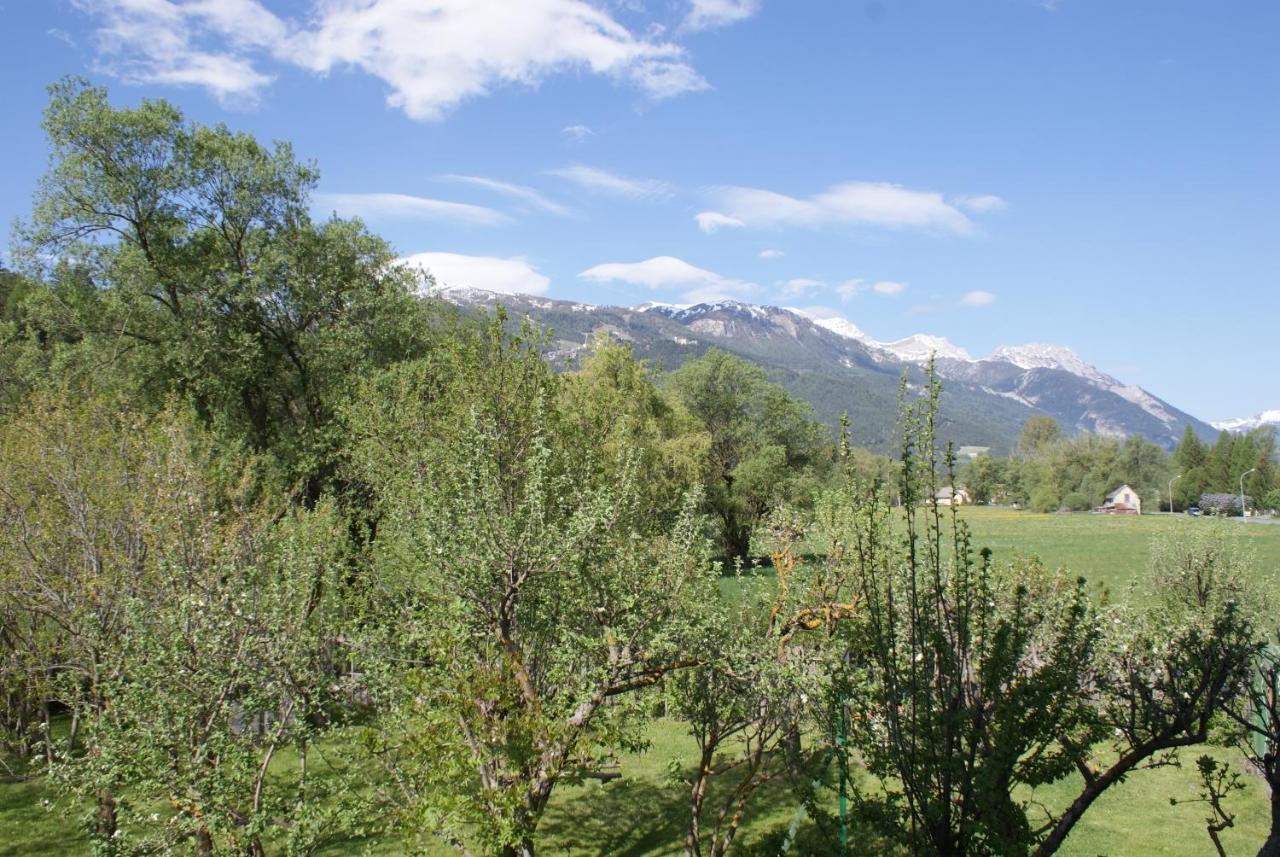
<point x="204" y="842"/>
<point x="697" y="795"/>
<point x="1271" y="848"/>
<point x="524" y="849"/>
<point x="736" y="541"/>
<point x="104" y="823"/>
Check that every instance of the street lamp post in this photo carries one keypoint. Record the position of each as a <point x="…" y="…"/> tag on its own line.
<point x="1171" y="481"/>
<point x="1242" y="476"/>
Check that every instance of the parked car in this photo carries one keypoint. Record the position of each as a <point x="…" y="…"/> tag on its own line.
<point x="1193" y="511"/>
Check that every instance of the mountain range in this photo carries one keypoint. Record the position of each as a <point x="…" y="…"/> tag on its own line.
<point x="837" y="367"/>
<point x="1247" y="424"/>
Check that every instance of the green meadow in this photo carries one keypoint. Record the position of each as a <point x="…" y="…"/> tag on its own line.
<point x="640" y="814"/>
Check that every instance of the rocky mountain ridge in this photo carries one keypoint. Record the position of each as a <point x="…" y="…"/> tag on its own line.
<point x="836" y="366"/>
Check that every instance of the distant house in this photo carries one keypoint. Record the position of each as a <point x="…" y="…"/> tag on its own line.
<point x="972" y="452"/>
<point x="1122" y="501"/>
<point x="949" y="496"/>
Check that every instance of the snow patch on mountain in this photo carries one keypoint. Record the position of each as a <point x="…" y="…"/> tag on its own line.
<point x="841" y="326"/>
<point x="918" y="348"/>
<point x="1037" y="355"/>
<point x="912" y="349"/>
<point x="1247" y="424"/>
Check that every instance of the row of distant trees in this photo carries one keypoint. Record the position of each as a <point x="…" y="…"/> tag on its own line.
<point x="290" y="555"/>
<point x="1051" y="471"/>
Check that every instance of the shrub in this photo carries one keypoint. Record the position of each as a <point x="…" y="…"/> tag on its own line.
<point x="1272" y="500"/>
<point x="1044" y="499"/>
<point x="1077" y="502"/>
<point x="1222" y="504"/>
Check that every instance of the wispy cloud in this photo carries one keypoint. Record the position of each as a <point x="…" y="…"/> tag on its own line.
<point x="981" y="204"/>
<point x="577" y="132"/>
<point x="60" y="35"/>
<point x="710" y="221"/>
<point x="850" y="289"/>
<point x="709" y="14"/>
<point x="667" y="272"/>
<point x="797" y="286"/>
<point x="860" y="203"/>
<point x="399" y="206"/>
<point x="432" y="55"/>
<point x="977" y="298"/>
<point x="603" y="181"/>
<point x="771" y="254"/>
<point x="512" y="275"/>
<point x="514" y="191"/>
<point x="888" y="288"/>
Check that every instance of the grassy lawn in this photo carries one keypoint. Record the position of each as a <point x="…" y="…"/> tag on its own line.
<point x="642" y="814"/>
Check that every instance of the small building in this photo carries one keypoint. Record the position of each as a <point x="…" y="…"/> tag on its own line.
<point x="950" y="496"/>
<point x="969" y="453"/>
<point x="1122" y="501"/>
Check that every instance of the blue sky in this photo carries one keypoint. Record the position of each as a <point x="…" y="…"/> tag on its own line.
<point x="1098" y="174"/>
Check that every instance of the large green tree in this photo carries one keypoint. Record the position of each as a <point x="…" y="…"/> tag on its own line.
<point x="207" y="276"/>
<point x="762" y="441"/>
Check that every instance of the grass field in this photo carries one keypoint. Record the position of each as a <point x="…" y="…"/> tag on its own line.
<point x="642" y="813"/>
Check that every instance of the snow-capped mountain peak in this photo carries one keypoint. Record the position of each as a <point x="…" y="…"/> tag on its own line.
<point x="1247" y="424"/>
<point x="842" y="326"/>
<point x="918" y="347"/>
<point x="1037" y="355"/>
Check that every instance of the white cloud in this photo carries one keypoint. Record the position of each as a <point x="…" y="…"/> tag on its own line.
<point x="708" y="14"/>
<point x="799" y="286"/>
<point x="982" y="204"/>
<point x="889" y="288"/>
<point x="667" y="272"/>
<point x="977" y="298"/>
<point x="850" y="289"/>
<point x="399" y="206"/>
<point x="860" y="203"/>
<point x="578" y="132"/>
<point x="515" y="191"/>
<point x="602" y="181"/>
<point x="771" y="254"/>
<point x="166" y="42"/>
<point x="431" y="54"/>
<point x="510" y="275"/>
<point x="710" y="221"/>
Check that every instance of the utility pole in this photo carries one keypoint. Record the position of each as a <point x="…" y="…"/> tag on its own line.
<point x="1171" y="481"/>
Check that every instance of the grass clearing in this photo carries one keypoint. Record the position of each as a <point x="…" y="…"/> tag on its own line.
<point x="642" y="814"/>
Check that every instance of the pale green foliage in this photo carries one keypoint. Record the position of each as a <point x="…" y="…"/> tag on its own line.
<point x="524" y="591"/>
<point x="767" y="659"/>
<point x="173" y="615"/>
<point x="1202" y="566"/>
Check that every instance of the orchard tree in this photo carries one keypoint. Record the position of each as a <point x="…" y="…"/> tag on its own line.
<point x="1167" y="672"/>
<point x="524" y="592"/>
<point x="186" y="630"/>
<point x="962" y="678"/>
<point x="762" y="441"/>
<point x="766" y="660"/>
